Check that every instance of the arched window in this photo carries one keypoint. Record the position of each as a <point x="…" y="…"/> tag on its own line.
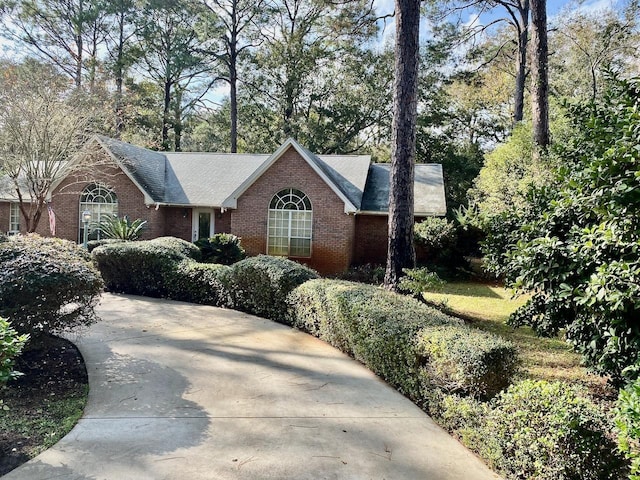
<point x="101" y="202"/>
<point x="290" y="224"/>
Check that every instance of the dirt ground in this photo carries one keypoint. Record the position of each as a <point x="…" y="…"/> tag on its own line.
<point x="39" y="413"/>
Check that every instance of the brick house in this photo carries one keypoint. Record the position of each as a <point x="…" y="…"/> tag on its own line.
<point x="328" y="211"/>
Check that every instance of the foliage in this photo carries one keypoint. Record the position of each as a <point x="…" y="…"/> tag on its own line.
<point x="114" y="227"/>
<point x="143" y="267"/>
<point x="435" y="233"/>
<point x="11" y="344"/>
<point x="47" y="285"/>
<point x="419" y="280"/>
<point x="223" y="248"/>
<point x="628" y="426"/>
<point x="576" y="247"/>
<point x="550" y="431"/>
<point x="179" y="245"/>
<point x="43" y="125"/>
<point x="195" y="282"/>
<point x="260" y="285"/>
<point x="398" y="338"/>
<point x="93" y="244"/>
<point x="368" y="273"/>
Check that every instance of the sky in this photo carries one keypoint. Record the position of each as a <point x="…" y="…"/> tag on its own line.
<point x="554" y="8"/>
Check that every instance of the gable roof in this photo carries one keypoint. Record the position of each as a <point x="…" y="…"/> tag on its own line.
<point x="219" y="179"/>
<point x="342" y="186"/>
<point x="428" y="189"/>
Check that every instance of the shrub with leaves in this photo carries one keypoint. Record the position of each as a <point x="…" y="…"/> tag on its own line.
<point x="414" y="347"/>
<point x="419" y="280"/>
<point x="222" y="248"/>
<point x="550" y="431"/>
<point x="47" y="285"/>
<point x="11" y="345"/>
<point x="260" y="285"/>
<point x="576" y="247"/>
<point x="195" y="282"/>
<point x="114" y="227"/>
<point x="142" y="267"/>
<point x="628" y="426"/>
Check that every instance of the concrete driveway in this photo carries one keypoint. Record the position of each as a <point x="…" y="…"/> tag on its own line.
<point x="190" y="392"/>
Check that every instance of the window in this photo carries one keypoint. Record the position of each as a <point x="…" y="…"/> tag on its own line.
<point x="14" y="217"/>
<point x="101" y="202"/>
<point x="290" y="224"/>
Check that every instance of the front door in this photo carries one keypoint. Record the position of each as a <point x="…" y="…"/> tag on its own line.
<point x="202" y="220"/>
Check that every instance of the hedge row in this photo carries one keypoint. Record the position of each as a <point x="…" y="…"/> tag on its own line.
<point x="530" y="430"/>
<point x="414" y="347"/>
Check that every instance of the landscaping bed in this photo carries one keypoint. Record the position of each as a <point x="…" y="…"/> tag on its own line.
<point x="44" y="404"/>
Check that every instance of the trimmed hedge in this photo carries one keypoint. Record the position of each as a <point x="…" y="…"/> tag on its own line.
<point x="202" y="283"/>
<point x="260" y="285"/>
<point x="403" y="340"/>
<point x="142" y="268"/>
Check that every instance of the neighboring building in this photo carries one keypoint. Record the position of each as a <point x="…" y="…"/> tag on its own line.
<point x="328" y="211"/>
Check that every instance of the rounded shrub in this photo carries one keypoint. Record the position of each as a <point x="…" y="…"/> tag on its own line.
<point x="260" y="285"/>
<point x="195" y="282"/>
<point x="550" y="431"/>
<point x="142" y="267"/>
<point x="223" y="248"/>
<point x="47" y="285"/>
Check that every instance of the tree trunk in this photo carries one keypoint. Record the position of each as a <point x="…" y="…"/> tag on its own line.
<point x="401" y="251"/>
<point x="166" y="121"/>
<point x="233" y="81"/>
<point x="540" y="75"/>
<point x="119" y="73"/>
<point x="521" y="62"/>
<point x="177" y="121"/>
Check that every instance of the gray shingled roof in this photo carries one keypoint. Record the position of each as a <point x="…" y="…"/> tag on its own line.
<point x="428" y="190"/>
<point x="145" y="166"/>
<point x="207" y="179"/>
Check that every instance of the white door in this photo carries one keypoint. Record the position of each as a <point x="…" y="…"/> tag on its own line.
<point x="202" y="220"/>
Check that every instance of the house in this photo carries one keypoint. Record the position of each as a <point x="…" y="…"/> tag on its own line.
<point x="328" y="211"/>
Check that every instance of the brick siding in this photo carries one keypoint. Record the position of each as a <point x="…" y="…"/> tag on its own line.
<point x="333" y="230"/>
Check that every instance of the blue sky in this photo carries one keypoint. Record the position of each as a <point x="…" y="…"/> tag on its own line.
<point x="554" y="8"/>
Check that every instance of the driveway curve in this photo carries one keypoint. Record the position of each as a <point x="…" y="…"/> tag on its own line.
<point x="191" y="392"/>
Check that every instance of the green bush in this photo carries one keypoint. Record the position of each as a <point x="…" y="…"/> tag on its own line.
<point x="11" y="344"/>
<point x="184" y="247"/>
<point x="223" y="248"/>
<point x="435" y="233"/>
<point x="93" y="244"/>
<point x="260" y="285"/>
<point x="458" y="359"/>
<point x="628" y="425"/>
<point x="369" y="273"/>
<point x="550" y="431"/>
<point x="143" y="267"/>
<point x="416" y="281"/>
<point x="47" y="285"/>
<point x="396" y="337"/>
<point x="195" y="282"/>
<point x="115" y="227"/>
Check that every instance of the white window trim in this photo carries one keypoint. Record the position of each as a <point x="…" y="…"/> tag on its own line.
<point x="14" y="217"/>
<point x="289" y="226"/>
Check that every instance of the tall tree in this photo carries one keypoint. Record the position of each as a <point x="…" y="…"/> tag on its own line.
<point x="66" y="33"/>
<point x="513" y="45"/>
<point x="232" y="29"/>
<point x="401" y="251"/>
<point x="41" y="129"/>
<point x="121" y="51"/>
<point x="170" y="55"/>
<point x="540" y="75"/>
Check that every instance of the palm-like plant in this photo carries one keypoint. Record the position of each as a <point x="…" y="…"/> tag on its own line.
<point x="118" y="228"/>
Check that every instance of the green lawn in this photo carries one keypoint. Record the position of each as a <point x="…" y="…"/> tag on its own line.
<point x="488" y="306"/>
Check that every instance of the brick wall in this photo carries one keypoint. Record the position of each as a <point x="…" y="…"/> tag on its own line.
<point x="333" y="230"/>
<point x="372" y="239"/>
<point x="177" y="222"/>
<point x="66" y="201"/>
<point x="4" y="216"/>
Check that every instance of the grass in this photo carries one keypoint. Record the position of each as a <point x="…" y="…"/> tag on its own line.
<point x="488" y="306"/>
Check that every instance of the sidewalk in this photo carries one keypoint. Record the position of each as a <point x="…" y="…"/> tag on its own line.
<point x="191" y="392"/>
